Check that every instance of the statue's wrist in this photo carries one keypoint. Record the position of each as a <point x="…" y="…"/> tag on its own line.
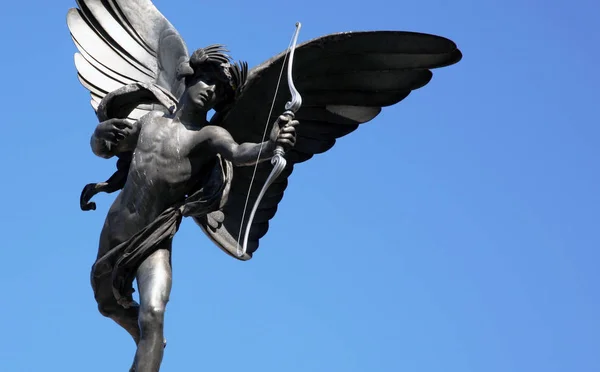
<point x="270" y="146"/>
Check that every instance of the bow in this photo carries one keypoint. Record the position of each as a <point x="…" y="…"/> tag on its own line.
<point x="278" y="161"/>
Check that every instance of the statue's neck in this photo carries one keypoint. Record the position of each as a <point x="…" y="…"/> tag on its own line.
<point x="189" y="116"/>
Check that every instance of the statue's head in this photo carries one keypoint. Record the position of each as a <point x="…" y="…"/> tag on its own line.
<point x="212" y="81"/>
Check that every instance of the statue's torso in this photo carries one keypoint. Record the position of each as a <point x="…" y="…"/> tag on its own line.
<point x="167" y="164"/>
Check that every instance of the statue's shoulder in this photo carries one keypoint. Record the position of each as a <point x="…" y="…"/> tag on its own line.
<point x="158" y="116"/>
<point x="136" y="100"/>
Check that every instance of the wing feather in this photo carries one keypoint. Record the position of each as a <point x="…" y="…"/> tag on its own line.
<point x="123" y="20"/>
<point x="94" y="90"/>
<point x="355" y="97"/>
<point x="339" y="114"/>
<point x="95" y="46"/>
<point x="313" y="146"/>
<point x="389" y="42"/>
<point x="106" y="37"/>
<point x="364" y="81"/>
<point x="103" y="69"/>
<point x="118" y="36"/>
<point x="376" y="61"/>
<point x="324" y="130"/>
<point x="89" y="73"/>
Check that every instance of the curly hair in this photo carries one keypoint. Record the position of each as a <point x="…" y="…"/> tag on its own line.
<point x="214" y="58"/>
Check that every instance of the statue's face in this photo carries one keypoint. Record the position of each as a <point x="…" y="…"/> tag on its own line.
<point x="205" y="91"/>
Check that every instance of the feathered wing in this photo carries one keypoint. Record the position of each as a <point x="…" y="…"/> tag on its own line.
<point x="122" y="42"/>
<point x="345" y="80"/>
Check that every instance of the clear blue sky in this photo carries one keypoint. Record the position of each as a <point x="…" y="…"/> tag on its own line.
<point x="458" y="232"/>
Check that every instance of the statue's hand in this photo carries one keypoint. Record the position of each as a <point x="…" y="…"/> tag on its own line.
<point x="88" y="192"/>
<point x="284" y="132"/>
<point x="113" y="131"/>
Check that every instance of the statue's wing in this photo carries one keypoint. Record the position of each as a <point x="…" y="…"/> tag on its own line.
<point x="345" y="80"/>
<point x="122" y="42"/>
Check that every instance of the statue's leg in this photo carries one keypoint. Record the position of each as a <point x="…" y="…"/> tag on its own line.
<point x="154" y="284"/>
<point x="126" y="318"/>
<point x="103" y="292"/>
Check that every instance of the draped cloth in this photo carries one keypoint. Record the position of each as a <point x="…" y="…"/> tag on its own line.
<point x="122" y="262"/>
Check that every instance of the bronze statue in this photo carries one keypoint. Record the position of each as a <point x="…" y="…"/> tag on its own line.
<point x="152" y="100"/>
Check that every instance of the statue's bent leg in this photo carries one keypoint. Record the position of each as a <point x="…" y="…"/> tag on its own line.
<point x="103" y="292"/>
<point x="108" y="306"/>
<point x="154" y="284"/>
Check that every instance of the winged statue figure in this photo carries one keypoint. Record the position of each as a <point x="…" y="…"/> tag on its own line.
<point x="228" y="172"/>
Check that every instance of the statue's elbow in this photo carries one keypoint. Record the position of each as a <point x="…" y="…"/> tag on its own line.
<point x="240" y="159"/>
<point x="235" y="161"/>
<point x="100" y="148"/>
<point x="104" y="155"/>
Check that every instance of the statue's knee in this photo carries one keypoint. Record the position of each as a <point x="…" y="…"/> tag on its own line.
<point x="107" y="309"/>
<point x="152" y="315"/>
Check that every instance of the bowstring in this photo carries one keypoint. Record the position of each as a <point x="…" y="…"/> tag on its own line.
<point x="261" y="145"/>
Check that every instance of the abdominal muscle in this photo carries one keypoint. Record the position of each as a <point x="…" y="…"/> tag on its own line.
<point x="155" y="183"/>
<point x="163" y="170"/>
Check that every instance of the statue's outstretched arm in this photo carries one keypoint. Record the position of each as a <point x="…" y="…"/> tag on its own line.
<point x="114" y="136"/>
<point x="221" y="142"/>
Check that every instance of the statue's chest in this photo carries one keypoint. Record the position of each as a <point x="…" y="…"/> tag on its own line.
<point x="162" y="155"/>
<point x="165" y="140"/>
